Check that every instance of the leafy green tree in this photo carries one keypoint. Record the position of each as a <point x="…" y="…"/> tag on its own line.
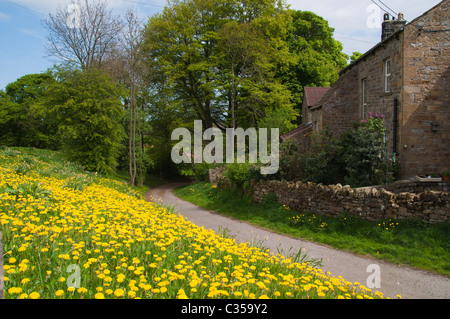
<point x="218" y="59"/>
<point x="247" y="79"/>
<point x="24" y="120"/>
<point x="319" y="55"/>
<point x="355" y="56"/>
<point x="89" y="110"/>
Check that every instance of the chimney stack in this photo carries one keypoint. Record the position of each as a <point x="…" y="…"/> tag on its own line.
<point x="389" y="27"/>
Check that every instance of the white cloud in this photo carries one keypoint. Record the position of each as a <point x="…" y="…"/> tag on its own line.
<point x="33" y="33"/>
<point x="4" y="17"/>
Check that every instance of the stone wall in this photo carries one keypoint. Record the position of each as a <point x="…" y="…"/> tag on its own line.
<point x="215" y="174"/>
<point x="407" y="186"/>
<point x="428" y="201"/>
<point x="370" y="203"/>
<point x="425" y="114"/>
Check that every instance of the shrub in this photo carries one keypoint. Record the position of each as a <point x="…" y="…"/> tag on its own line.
<point x="363" y="154"/>
<point x="321" y="163"/>
<point x="290" y="167"/>
<point x="318" y="164"/>
<point x="238" y="174"/>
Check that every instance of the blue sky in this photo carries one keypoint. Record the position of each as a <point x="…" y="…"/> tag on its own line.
<point x="22" y="36"/>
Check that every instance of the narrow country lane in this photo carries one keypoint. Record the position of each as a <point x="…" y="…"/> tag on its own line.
<point x="395" y="280"/>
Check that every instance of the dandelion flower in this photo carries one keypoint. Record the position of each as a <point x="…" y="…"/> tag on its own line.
<point x="99" y="295"/>
<point x="119" y="292"/>
<point x="34" y="295"/>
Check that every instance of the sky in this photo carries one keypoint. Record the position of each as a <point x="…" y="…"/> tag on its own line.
<point x="357" y="25"/>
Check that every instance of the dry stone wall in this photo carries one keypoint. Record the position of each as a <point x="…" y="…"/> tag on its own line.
<point x="370" y="203"/>
<point x="428" y="201"/>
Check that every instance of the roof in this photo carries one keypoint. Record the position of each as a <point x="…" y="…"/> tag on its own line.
<point x="325" y="97"/>
<point x="302" y="128"/>
<point x="314" y="94"/>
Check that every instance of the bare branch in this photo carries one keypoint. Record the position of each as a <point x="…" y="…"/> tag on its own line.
<point x="85" y="36"/>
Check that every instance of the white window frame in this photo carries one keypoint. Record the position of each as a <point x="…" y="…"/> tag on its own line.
<point x="364" y="98"/>
<point x="387" y="76"/>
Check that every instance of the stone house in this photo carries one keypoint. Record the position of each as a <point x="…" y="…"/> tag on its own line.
<point x="311" y="96"/>
<point x="406" y="78"/>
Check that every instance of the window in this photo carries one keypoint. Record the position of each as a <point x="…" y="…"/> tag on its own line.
<point x="364" y="98"/>
<point x="387" y="76"/>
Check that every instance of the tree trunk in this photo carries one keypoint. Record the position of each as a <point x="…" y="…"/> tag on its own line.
<point x="132" y="137"/>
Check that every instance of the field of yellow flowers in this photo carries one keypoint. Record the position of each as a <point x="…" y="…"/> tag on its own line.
<point x="68" y="233"/>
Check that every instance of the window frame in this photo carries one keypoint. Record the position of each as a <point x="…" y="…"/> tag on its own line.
<point x="363" y="98"/>
<point x="387" y="76"/>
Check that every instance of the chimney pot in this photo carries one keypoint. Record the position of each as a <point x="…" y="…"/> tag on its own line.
<point x="389" y="26"/>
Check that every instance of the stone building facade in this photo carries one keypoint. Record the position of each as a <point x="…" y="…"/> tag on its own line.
<point x="406" y="78"/>
<point x="310" y="98"/>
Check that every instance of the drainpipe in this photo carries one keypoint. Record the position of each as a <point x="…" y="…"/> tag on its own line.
<point x="395" y="125"/>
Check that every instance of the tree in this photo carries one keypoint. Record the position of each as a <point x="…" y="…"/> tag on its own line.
<point x="131" y="44"/>
<point x="24" y="120"/>
<point x="319" y="55"/>
<point x="355" y="56"/>
<point x="218" y="58"/>
<point x="85" y="35"/>
<point x="89" y="110"/>
<point x="247" y="67"/>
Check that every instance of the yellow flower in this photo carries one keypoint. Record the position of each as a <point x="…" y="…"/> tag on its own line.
<point x="119" y="293"/>
<point x="120" y="277"/>
<point x="181" y="294"/>
<point x="15" y="290"/>
<point x="99" y="295"/>
<point x="12" y="260"/>
<point x="34" y="295"/>
<point x="25" y="280"/>
<point x="59" y="293"/>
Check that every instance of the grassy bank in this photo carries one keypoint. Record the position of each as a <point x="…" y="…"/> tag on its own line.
<point x="405" y="242"/>
<point x="69" y="233"/>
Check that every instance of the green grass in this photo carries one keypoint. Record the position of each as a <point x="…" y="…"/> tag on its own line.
<point x="405" y="242"/>
<point x="50" y="163"/>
